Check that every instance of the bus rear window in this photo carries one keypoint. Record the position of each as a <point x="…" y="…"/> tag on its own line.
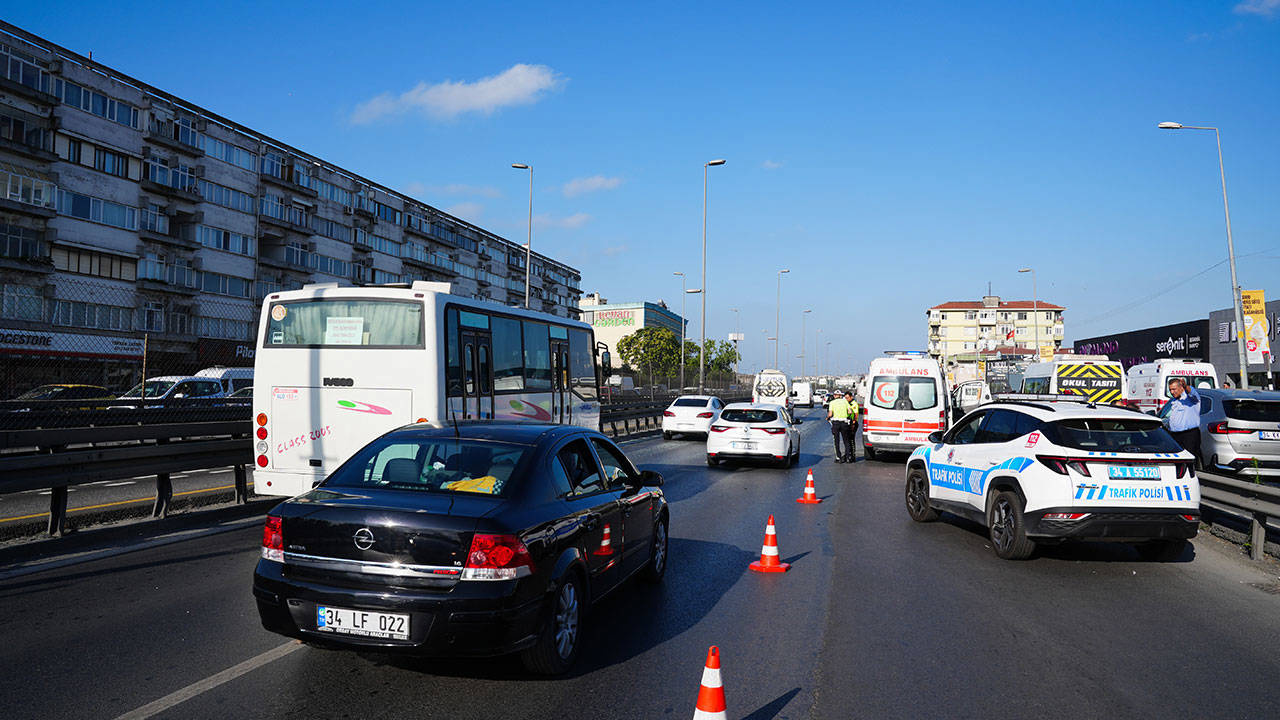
<point x="345" y="323"/>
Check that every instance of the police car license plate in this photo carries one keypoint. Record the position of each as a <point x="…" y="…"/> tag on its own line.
<point x="1139" y="472"/>
<point x="744" y="446"/>
<point x="1269" y="435"/>
<point x="362" y="622"/>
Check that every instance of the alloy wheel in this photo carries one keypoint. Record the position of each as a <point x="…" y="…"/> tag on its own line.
<point x="1001" y="519"/>
<point x="567" y="619"/>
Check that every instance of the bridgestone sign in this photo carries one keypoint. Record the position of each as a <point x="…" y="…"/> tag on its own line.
<point x="69" y="344"/>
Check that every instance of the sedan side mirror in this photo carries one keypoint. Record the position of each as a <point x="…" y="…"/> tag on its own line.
<point x="935" y="437"/>
<point x="650" y="478"/>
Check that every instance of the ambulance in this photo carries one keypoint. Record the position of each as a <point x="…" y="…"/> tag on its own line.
<point x="1149" y="382"/>
<point x="1096" y="377"/>
<point x="906" y="399"/>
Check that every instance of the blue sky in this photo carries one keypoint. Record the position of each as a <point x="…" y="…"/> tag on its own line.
<point x="893" y="156"/>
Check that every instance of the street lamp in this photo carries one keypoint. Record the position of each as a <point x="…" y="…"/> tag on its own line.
<point x="828" y="359"/>
<point x="684" y="291"/>
<point x="690" y="291"/>
<point x="1035" y="313"/>
<point x="737" y="332"/>
<point x="777" y="319"/>
<point x="702" y="347"/>
<point x="1231" y="251"/>
<point x="802" y="337"/>
<point x="528" y="252"/>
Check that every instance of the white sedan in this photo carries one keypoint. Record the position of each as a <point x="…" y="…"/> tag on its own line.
<point x="690" y="414"/>
<point x="754" y="431"/>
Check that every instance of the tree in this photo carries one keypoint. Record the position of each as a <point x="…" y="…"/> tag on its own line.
<point x="655" y="350"/>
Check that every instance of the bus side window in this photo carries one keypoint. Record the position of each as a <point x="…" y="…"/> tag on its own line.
<point x="582" y="371"/>
<point x="453" y="359"/>
<point x="537" y="356"/>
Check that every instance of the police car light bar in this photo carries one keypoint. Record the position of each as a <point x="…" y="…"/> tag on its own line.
<point x="905" y="352"/>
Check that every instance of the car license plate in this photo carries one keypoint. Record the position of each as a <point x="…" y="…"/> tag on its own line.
<point x="1138" y="472"/>
<point x="1269" y="435"/>
<point x="362" y="622"/>
<point x="685" y="425"/>
<point x="744" y="446"/>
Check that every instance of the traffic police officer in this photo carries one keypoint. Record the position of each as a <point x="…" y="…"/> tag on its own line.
<point x="838" y="416"/>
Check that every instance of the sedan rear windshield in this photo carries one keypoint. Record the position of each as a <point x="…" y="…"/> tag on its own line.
<point x="446" y="465"/>
<point x="1252" y="410"/>
<point x="1112" y="435"/>
<point x="689" y="402"/>
<point x="749" y="416"/>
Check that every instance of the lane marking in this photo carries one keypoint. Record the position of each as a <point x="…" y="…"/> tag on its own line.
<point x="121" y="502"/>
<point x="202" y="686"/>
<point x="121" y="484"/>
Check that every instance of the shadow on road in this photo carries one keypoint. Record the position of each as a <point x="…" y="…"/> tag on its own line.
<point x="58" y="580"/>
<point x="1075" y="550"/>
<point x="774" y="707"/>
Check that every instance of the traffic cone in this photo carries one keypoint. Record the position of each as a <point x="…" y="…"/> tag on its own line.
<point x="711" y="693"/>
<point x="606" y="543"/>
<point x="768" y="562"/>
<point x="810" y="494"/>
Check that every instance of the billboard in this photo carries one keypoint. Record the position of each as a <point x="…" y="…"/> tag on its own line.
<point x="1181" y="340"/>
<point x="1256" y="331"/>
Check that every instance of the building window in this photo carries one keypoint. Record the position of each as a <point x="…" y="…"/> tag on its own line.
<point x="20" y="243"/>
<point x="111" y="163"/>
<point x="153" y="317"/>
<point x="21" y="302"/>
<point x="225" y="285"/>
<point x="87" y="262"/>
<point x="26" y="186"/>
<point x="224" y="328"/>
<point x="75" y="149"/>
<point x="225" y="240"/>
<point x="96" y="103"/>
<point x="23" y="69"/>
<point x="97" y="210"/>
<point x="274" y="206"/>
<point x="1022" y="316"/>
<point x="275" y="165"/>
<point x="90" y="315"/>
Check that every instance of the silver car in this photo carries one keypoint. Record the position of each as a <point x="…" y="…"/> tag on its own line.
<point x="1239" y="431"/>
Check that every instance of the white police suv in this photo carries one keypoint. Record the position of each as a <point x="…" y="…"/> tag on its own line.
<point x="1040" y="469"/>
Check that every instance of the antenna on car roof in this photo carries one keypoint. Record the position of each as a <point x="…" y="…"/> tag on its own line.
<point x="453" y="416"/>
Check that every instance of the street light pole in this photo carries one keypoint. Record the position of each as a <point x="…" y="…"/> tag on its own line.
<point x="802" y="337"/>
<point x="1035" y="313"/>
<point x="1231" y="252"/>
<point x="737" y="331"/>
<point x="528" y="253"/>
<point x="777" y="320"/>
<point x="684" y="291"/>
<point x="702" y="347"/>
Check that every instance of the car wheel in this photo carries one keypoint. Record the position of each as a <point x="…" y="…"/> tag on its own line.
<point x="712" y="461"/>
<point x="1162" y="550"/>
<point x="657" y="567"/>
<point x="918" y="506"/>
<point x="1008" y="534"/>
<point x="558" y="643"/>
<point x="666" y="435"/>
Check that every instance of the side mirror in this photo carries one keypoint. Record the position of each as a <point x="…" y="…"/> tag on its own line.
<point x="650" y="478"/>
<point x="935" y="437"/>
<point x="606" y="363"/>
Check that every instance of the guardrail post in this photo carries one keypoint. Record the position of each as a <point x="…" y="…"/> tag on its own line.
<point x="57" y="511"/>
<point x="1258" y="539"/>
<point x="242" y="486"/>
<point x="164" y="493"/>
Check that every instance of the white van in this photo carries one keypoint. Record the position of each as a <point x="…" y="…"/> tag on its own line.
<point x="1094" y="376"/>
<point x="772" y="386"/>
<point x="802" y="393"/>
<point x="906" y="400"/>
<point x="1149" y="382"/>
<point x="230" y="378"/>
<point x="970" y="394"/>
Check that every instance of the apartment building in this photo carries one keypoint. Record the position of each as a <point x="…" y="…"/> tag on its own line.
<point x="132" y="217"/>
<point x="991" y="325"/>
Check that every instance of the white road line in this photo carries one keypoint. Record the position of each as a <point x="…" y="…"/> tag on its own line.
<point x="120" y="484"/>
<point x="218" y="472"/>
<point x="211" y="682"/>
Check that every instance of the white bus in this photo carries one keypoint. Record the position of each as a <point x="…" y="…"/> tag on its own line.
<point x="338" y="366"/>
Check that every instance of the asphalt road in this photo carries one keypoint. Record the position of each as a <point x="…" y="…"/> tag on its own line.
<point x="879" y="617"/>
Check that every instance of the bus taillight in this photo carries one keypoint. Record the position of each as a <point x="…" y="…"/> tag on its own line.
<point x="262" y="419"/>
<point x="262" y="433"/>
<point x="262" y="462"/>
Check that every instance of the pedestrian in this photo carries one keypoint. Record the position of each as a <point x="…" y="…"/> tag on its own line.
<point x="1184" y="415"/>
<point x="853" y="426"/>
<point x="838" y="416"/>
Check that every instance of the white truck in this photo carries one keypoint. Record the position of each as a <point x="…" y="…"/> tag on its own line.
<point x="772" y="386"/>
<point x="802" y="393"/>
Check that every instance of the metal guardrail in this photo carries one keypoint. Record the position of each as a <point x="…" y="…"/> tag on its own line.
<point x="1255" y="502"/>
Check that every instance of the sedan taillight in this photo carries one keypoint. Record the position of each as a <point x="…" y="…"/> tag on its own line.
<point x="273" y="539"/>
<point x="1222" y="428"/>
<point x="706" y="415"/>
<point x="719" y="428"/>
<point x="668" y="413"/>
<point x="774" y="431"/>
<point x="497" y="557"/>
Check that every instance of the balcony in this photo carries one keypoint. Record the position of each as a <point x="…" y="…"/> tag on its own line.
<point x="35" y="94"/>
<point x="38" y="153"/>
<point x="26" y="254"/>
<point x="187" y="192"/>
<point x="282" y="218"/>
<point x="167" y="277"/>
<point x="165" y="134"/>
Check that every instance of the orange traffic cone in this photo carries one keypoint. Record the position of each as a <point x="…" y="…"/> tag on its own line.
<point x="810" y="494"/>
<point x="711" y="693"/>
<point x="768" y="562"/>
<point x="606" y="543"/>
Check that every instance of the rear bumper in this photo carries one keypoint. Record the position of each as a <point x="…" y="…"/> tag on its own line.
<point x="1122" y="524"/>
<point x="695" y="427"/>
<point x="488" y="622"/>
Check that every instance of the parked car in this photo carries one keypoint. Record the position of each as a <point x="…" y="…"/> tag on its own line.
<point x="1239" y="431"/>
<point x="479" y="539"/>
<point x="60" y="392"/>
<point x="244" y="393"/>
<point x="754" y="432"/>
<point x="231" y="378"/>
<point x="690" y="414"/>
<point x="173" y="387"/>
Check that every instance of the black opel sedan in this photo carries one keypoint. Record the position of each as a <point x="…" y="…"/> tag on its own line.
<point x="485" y="539"/>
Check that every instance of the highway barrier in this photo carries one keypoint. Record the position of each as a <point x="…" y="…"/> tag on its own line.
<point x="1256" y="503"/>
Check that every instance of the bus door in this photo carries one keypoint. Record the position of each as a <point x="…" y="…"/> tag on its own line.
<point x="477" y="376"/>
<point x="560" y="395"/>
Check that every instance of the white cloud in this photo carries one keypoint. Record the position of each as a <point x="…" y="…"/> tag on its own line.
<point x="615" y="250"/>
<point x="1265" y="8"/>
<point x="770" y="165"/>
<point x="455" y="189"/>
<point x="571" y="222"/>
<point x="578" y="186"/>
<point x="469" y="211"/>
<point x="519" y="84"/>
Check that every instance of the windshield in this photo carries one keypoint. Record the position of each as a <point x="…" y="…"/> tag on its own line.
<point x="1112" y="435"/>
<point x="894" y="392"/>
<point x="1198" y="382"/>
<point x="346" y="322"/>
<point x="749" y="416"/>
<point x="689" y="402"/>
<point x="448" y="465"/>
<point x="1252" y="410"/>
<point x="44" y="392"/>
<point x="155" y="388"/>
